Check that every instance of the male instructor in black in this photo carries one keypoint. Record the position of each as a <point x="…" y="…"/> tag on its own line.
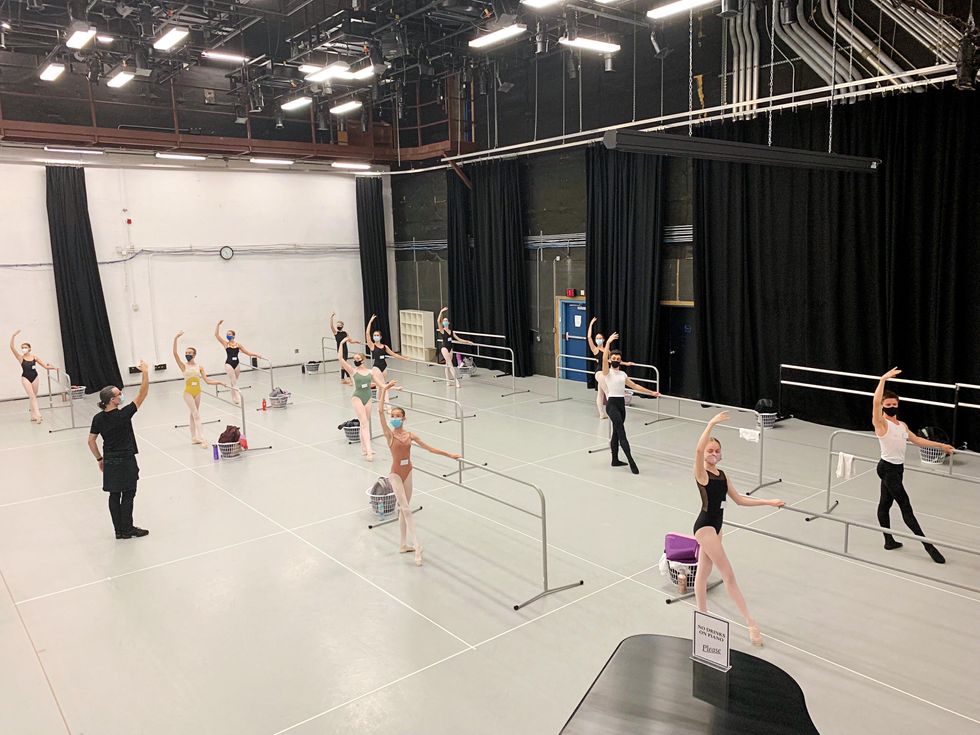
<point x="117" y="462"/>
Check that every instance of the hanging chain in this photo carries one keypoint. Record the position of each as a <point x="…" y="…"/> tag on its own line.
<point x="690" y="73"/>
<point x="772" y="62"/>
<point x="833" y="81"/>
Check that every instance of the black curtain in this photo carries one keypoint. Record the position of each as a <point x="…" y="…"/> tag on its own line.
<point x="623" y="232"/>
<point x="487" y="280"/>
<point x="843" y="271"/>
<point x="374" y="256"/>
<point x="86" y="338"/>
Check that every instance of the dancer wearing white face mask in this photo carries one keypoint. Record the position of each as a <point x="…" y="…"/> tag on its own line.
<point x="715" y="488"/>
<point x="29" y="378"/>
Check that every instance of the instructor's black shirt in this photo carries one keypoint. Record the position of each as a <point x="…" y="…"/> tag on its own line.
<point x="341" y="336"/>
<point x="116" y="428"/>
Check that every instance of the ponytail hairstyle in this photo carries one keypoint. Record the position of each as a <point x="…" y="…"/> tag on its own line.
<point x="106" y="395"/>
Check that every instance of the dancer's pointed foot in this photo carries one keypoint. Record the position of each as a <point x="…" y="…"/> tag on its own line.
<point x="418" y="556"/>
<point x="406" y="549"/>
<point x="755" y="636"/>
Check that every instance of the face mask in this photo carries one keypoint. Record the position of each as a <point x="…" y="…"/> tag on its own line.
<point x="25" y="348"/>
<point x="230" y="337"/>
<point x="599" y="341"/>
<point x="377" y="337"/>
<point x="358" y="363"/>
<point x="122" y="398"/>
<point x="340" y="326"/>
<point x="189" y="358"/>
<point x="614" y="365"/>
<point x="890" y="410"/>
<point x="445" y="322"/>
<point x="396" y="423"/>
<point x="712" y="459"/>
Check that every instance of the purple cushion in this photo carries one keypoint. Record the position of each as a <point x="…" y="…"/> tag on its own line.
<point x="682" y="549"/>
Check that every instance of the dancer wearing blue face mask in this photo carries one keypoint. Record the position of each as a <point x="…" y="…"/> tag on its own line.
<point x="117" y="461"/>
<point x="232" y="367"/>
<point x="400" y="443"/>
<point x="379" y="352"/>
<point x="448" y="338"/>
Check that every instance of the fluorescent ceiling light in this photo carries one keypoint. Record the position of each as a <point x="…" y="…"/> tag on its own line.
<point x="678" y="7"/>
<point x="79" y="34"/>
<point x="589" y="44"/>
<point x="52" y="71"/>
<point x="309" y="69"/>
<point x="272" y="161"/>
<point x="181" y="156"/>
<point x="348" y="164"/>
<point x="5" y="25"/>
<point x="346" y="107"/>
<point x="171" y="38"/>
<point x="120" y="78"/>
<point x="102" y="38"/>
<point x="296" y="103"/>
<point x="536" y="4"/>
<point x="328" y="72"/>
<point x="222" y="56"/>
<point x="498" y="36"/>
<point x="80" y="151"/>
<point x="366" y="73"/>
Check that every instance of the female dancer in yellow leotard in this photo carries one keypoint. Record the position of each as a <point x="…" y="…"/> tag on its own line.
<point x="193" y="375"/>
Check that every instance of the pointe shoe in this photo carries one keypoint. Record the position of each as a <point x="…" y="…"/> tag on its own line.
<point x="418" y="556"/>
<point x="755" y="637"/>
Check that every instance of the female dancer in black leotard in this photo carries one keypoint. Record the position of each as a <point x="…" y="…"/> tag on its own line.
<point x="448" y="338"/>
<point x="379" y="352"/>
<point x="616" y="383"/>
<point x="232" y="366"/>
<point x="715" y="488"/>
<point x="28" y="374"/>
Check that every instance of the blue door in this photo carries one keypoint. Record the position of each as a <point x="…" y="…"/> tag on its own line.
<point x="572" y="341"/>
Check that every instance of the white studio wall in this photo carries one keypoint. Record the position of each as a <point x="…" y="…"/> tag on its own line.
<point x="157" y="232"/>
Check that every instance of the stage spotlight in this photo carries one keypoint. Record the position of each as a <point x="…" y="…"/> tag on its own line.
<point x="660" y="48"/>
<point x="787" y="12"/>
<point x="967" y="63"/>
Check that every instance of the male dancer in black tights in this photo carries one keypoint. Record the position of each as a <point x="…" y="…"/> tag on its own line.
<point x="892" y="435"/>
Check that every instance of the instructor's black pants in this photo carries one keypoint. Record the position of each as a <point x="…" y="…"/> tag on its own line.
<point x="616" y="410"/>
<point x="893" y="491"/>
<point x="121" y="510"/>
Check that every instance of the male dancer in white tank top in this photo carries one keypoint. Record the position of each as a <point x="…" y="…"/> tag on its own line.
<point x="892" y="435"/>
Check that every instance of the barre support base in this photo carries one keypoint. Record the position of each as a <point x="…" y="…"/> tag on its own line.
<point x="549" y="591"/>
<point x="393" y="518"/>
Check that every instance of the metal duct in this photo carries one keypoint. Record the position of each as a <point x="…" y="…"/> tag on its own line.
<point x="787" y="34"/>
<point x="754" y="34"/>
<point x="913" y="25"/>
<point x="746" y="58"/>
<point x="824" y="49"/>
<point x="865" y="47"/>
<point x="736" y="63"/>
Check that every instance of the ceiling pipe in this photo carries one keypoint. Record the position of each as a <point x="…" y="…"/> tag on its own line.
<point x="736" y="63"/>
<point x="754" y="69"/>
<point x="879" y="61"/>
<point x="787" y="33"/>
<point x="746" y="57"/>
<point x="914" y="26"/>
<point x="823" y="48"/>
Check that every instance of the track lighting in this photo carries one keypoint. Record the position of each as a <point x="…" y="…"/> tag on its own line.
<point x="51" y="71"/>
<point x="661" y="50"/>
<point x="680" y="6"/>
<point x="173" y="36"/>
<point x="729" y="8"/>
<point x="80" y="34"/>
<point x="967" y="62"/>
<point x="787" y="12"/>
<point x="499" y="36"/>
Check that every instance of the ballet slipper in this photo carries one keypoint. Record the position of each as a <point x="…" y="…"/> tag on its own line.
<point x="369" y="456"/>
<point x="755" y="636"/>
<point x="406" y="549"/>
<point x="418" y="556"/>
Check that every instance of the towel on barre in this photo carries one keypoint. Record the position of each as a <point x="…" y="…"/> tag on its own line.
<point x="845" y="466"/>
<point x="750" y="435"/>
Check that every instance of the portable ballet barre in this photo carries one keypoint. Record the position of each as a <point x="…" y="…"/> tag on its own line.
<point x="559" y="368"/>
<point x="862" y="376"/>
<point x="848" y="523"/>
<point x="272" y="378"/>
<point x="543" y="516"/>
<point x="51" y="406"/>
<point x="459" y="416"/>
<point x="762" y="482"/>
<point x="864" y="435"/>
<point x="66" y="386"/>
<point x="478" y="355"/>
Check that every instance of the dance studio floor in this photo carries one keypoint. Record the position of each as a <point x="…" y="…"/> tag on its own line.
<point x="260" y="603"/>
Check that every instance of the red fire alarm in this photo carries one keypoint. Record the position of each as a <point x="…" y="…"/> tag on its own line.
<point x="129" y="221"/>
<point x="570" y="292"/>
